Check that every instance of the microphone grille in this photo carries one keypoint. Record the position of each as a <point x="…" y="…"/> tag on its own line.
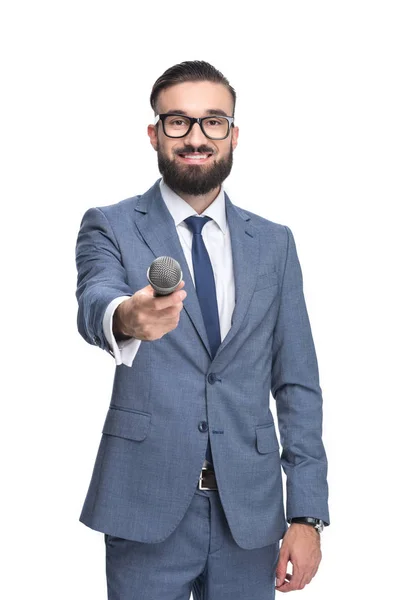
<point x="164" y="273"/>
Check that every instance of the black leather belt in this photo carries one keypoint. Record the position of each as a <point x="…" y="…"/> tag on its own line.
<point x="207" y="480"/>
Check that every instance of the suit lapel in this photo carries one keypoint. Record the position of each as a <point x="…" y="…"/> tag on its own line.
<point x="245" y="256"/>
<point x="158" y="230"/>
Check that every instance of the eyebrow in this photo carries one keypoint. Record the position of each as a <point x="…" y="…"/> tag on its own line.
<point x="210" y="111"/>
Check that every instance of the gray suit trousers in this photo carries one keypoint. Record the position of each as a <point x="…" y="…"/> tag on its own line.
<point x="200" y="557"/>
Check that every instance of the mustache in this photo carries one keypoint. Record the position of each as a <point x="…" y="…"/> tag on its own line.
<point x="190" y="149"/>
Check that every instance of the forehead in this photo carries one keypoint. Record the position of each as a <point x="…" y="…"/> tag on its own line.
<point x="195" y="98"/>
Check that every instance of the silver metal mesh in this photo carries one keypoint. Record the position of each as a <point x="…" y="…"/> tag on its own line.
<point x="164" y="275"/>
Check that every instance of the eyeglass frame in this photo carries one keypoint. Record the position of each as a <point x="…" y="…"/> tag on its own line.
<point x="193" y="120"/>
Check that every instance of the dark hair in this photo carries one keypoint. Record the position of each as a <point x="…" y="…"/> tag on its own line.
<point x="190" y="70"/>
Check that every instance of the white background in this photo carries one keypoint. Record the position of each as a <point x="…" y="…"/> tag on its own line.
<point x="318" y="112"/>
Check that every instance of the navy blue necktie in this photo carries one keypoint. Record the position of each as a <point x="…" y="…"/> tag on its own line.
<point x="205" y="289"/>
<point x="205" y="283"/>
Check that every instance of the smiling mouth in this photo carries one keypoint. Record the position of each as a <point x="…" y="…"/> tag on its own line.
<point x="195" y="157"/>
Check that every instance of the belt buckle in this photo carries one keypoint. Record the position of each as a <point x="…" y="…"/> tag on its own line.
<point x="201" y="487"/>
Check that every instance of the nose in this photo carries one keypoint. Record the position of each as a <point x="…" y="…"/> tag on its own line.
<point x="196" y="137"/>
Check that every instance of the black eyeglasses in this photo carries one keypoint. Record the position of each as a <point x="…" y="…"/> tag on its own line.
<point x="214" y="127"/>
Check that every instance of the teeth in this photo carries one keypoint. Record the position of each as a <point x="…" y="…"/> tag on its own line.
<point x="199" y="156"/>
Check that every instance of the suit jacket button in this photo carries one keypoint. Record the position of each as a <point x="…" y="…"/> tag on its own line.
<point x="212" y="378"/>
<point x="203" y="426"/>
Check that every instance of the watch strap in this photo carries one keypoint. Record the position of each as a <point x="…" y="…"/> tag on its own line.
<point x="318" y="524"/>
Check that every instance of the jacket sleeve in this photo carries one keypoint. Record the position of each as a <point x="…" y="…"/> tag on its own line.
<point x="101" y="275"/>
<point x="295" y="387"/>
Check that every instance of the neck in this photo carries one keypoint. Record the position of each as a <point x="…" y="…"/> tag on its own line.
<point x="200" y="203"/>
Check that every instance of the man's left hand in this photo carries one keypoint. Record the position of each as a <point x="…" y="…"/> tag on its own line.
<point x="302" y="546"/>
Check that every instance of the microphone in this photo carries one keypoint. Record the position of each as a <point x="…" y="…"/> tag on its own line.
<point x="164" y="275"/>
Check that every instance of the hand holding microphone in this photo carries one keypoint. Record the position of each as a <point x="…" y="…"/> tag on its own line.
<point x="154" y="310"/>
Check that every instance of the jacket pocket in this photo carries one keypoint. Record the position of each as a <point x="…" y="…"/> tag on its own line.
<point x="266" y="438"/>
<point x="127" y="424"/>
<point x="266" y="279"/>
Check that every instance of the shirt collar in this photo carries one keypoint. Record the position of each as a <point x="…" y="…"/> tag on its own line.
<point x="180" y="209"/>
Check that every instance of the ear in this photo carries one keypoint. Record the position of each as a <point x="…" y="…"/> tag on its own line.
<point x="235" y="135"/>
<point x="152" y="133"/>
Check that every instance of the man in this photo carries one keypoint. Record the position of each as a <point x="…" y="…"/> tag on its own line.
<point x="187" y="483"/>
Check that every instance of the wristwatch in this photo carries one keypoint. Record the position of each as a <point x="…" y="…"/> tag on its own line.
<point x="318" y="524"/>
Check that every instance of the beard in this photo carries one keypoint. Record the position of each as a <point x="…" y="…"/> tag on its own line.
<point x="196" y="180"/>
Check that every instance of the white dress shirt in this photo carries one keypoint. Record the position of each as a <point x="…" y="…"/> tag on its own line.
<point x="217" y="240"/>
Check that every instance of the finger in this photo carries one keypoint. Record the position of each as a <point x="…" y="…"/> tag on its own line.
<point x="281" y="567"/>
<point x="171" y="312"/>
<point x="161" y="302"/>
<point x="284" y="582"/>
<point x="294" y="581"/>
<point x="306" y="579"/>
<point x="178" y="296"/>
<point x="288" y="576"/>
<point x="313" y="570"/>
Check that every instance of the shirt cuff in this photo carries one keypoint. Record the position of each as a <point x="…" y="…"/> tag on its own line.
<point x="123" y="351"/>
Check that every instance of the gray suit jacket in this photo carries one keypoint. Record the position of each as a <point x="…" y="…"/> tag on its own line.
<point x="152" y="445"/>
